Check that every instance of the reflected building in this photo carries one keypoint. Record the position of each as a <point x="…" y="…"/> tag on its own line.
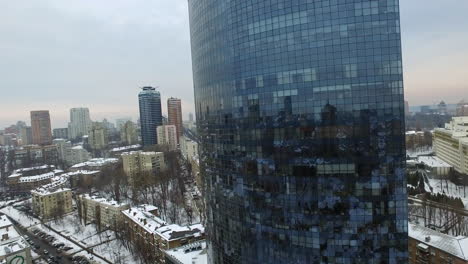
<point x="300" y="113"/>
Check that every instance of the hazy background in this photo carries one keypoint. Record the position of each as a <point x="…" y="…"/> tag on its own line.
<point x="57" y="54"/>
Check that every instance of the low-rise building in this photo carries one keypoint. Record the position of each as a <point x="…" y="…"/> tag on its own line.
<point x="435" y="167"/>
<point x="13" y="248"/>
<point x="48" y="203"/>
<point x="137" y="164"/>
<point x="128" y="133"/>
<point x="117" y="151"/>
<point x="153" y="235"/>
<point x="428" y="246"/>
<point x="60" y="133"/>
<point x="451" y="143"/>
<point x="101" y="211"/>
<point x="32" y="155"/>
<point x="26" y="179"/>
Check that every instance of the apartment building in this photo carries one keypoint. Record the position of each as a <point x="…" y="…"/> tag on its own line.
<point x="167" y="135"/>
<point x="451" y="143"/>
<point x="48" y="203"/>
<point x="103" y="212"/>
<point x="137" y="164"/>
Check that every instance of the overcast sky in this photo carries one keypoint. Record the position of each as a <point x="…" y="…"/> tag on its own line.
<point x="57" y="54"/>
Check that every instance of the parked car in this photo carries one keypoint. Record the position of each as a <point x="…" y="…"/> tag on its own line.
<point x="46" y="252"/>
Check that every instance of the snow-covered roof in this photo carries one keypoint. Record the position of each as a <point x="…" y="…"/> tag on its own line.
<point x="174" y="232"/>
<point x="14" y="241"/>
<point x="141" y="153"/>
<point x="194" y="253"/>
<point x="34" y="168"/>
<point x="142" y="216"/>
<point x="433" y="162"/>
<point x="456" y="246"/>
<point x="126" y="148"/>
<point x="34" y="178"/>
<point x="79" y="172"/>
<point x="4" y="222"/>
<point x="103" y="201"/>
<point x="97" y="162"/>
<point x="43" y="191"/>
<point x="77" y="147"/>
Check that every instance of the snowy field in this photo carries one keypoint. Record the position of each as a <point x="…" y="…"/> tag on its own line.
<point x="449" y="188"/>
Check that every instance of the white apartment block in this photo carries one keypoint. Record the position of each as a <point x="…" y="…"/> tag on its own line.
<point x="137" y="162"/>
<point x="80" y="122"/>
<point x="101" y="211"/>
<point x="451" y="143"/>
<point x="189" y="148"/>
<point x="48" y="203"/>
<point x="167" y="135"/>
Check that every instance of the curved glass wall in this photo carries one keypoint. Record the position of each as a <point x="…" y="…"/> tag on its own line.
<point x="300" y="112"/>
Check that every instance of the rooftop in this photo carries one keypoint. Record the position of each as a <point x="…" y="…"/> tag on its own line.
<point x="97" y="162"/>
<point x="173" y="232"/>
<point x="34" y="168"/>
<point x="44" y="191"/>
<point x="194" y="253"/>
<point x="433" y="162"/>
<point x="103" y="201"/>
<point x="142" y="216"/>
<point x="125" y="148"/>
<point x="457" y="246"/>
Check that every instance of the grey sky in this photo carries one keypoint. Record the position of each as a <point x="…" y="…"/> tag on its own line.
<point x="57" y="54"/>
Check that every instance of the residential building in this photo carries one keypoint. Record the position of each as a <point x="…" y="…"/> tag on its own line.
<point x="174" y="115"/>
<point x="34" y="155"/>
<point x="189" y="148"/>
<point x="194" y="253"/>
<point x="97" y="136"/>
<point x="451" y="143"/>
<point x="407" y="109"/>
<point x="80" y="122"/>
<point x="150" y="114"/>
<point x="167" y="136"/>
<point x="153" y="235"/>
<point x="13" y="247"/>
<point x="442" y="108"/>
<point x="48" y="203"/>
<point x="428" y="246"/>
<point x="191" y="119"/>
<point x="128" y="133"/>
<point x="101" y="211"/>
<point x="26" y="179"/>
<point x="138" y="165"/>
<point x="26" y="135"/>
<point x="60" y="133"/>
<point x="40" y="127"/>
<point x="78" y="155"/>
<point x="117" y="152"/>
<point x="300" y="115"/>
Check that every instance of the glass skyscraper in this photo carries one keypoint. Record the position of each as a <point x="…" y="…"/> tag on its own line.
<point x="150" y="114"/>
<point x="300" y="112"/>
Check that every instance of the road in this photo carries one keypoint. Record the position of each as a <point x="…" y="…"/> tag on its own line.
<point x="43" y="246"/>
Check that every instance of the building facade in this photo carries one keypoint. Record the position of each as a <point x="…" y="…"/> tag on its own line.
<point x="33" y="155"/>
<point x="97" y="136"/>
<point x="128" y="133"/>
<point x="26" y="135"/>
<point x="50" y="203"/>
<point x="174" y="115"/>
<point x="167" y="135"/>
<point x="150" y="115"/>
<point x="300" y="112"/>
<point x="102" y="212"/>
<point x="138" y="165"/>
<point x="451" y="143"/>
<point x="60" y="133"/>
<point x="40" y="127"/>
<point x="80" y="122"/>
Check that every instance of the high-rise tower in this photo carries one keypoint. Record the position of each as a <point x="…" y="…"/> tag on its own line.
<point x="174" y="115"/>
<point x="40" y="127"/>
<point x="80" y="122"/>
<point x="150" y="114"/>
<point x="300" y="112"/>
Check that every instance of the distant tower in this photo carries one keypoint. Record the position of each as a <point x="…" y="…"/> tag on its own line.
<point x="174" y="114"/>
<point x="80" y="122"/>
<point x="41" y="129"/>
<point x="191" y="117"/>
<point x="150" y="114"/>
<point x="407" y="109"/>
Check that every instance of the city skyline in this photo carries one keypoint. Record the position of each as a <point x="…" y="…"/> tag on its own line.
<point x="154" y="49"/>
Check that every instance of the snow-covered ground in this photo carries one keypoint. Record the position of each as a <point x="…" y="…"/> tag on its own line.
<point x="450" y="189"/>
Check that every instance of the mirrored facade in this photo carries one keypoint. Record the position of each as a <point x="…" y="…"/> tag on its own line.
<point x="300" y="112"/>
<point x="149" y="101"/>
